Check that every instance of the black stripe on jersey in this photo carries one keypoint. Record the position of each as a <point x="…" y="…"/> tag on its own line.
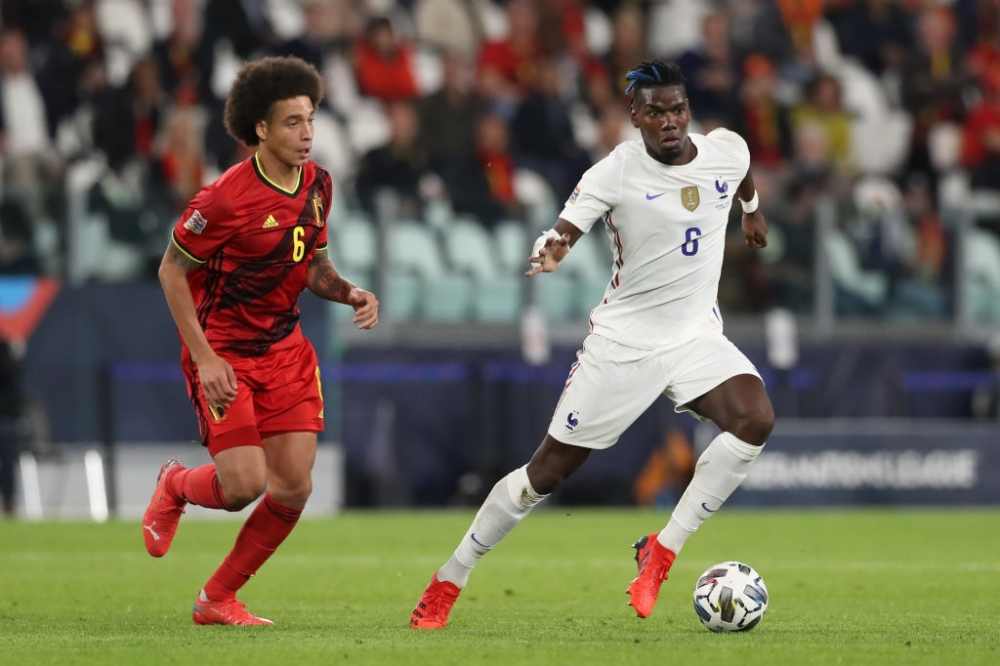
<point x="211" y="289"/>
<point x="252" y="280"/>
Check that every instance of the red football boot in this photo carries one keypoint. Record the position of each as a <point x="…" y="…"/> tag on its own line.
<point x="654" y="562"/>
<point x="434" y="606"/>
<point x="159" y="523"/>
<point x="229" y="611"/>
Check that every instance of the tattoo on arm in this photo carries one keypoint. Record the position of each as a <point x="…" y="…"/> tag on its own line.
<point x="325" y="282"/>
<point x="175" y="256"/>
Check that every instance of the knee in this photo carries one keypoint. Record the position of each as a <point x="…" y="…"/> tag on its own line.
<point x="754" y="424"/>
<point x="243" y="491"/>
<point x="293" y="494"/>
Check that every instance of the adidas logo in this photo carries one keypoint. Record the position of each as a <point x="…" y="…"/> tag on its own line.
<point x="270" y="222"/>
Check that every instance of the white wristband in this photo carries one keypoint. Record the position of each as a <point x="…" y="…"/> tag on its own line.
<point x="540" y="241"/>
<point x="752" y="205"/>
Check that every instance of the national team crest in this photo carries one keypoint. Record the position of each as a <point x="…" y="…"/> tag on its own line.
<point x="317" y="202"/>
<point x="690" y="197"/>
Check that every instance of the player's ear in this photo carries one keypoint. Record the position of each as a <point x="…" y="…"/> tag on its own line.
<point x="633" y="113"/>
<point x="261" y="129"/>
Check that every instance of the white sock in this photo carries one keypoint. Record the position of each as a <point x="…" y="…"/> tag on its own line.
<point x="720" y="470"/>
<point x="511" y="499"/>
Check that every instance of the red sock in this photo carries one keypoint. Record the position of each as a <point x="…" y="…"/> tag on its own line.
<point x="199" y="485"/>
<point x="261" y="535"/>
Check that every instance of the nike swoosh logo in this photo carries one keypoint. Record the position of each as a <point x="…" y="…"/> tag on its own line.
<point x="156" y="537"/>
<point x="650" y="197"/>
<point x="705" y="507"/>
<point x="473" y="537"/>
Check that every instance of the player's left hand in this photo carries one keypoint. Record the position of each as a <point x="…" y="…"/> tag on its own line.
<point x="755" y="229"/>
<point x="365" y="308"/>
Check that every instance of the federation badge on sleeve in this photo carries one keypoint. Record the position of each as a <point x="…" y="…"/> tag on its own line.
<point x="196" y="223"/>
<point x="317" y="203"/>
<point x="690" y="197"/>
<point x="573" y="197"/>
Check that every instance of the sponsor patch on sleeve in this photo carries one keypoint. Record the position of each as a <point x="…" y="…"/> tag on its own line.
<point x="196" y="223"/>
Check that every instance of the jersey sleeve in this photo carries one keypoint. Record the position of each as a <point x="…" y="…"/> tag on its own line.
<point x="597" y="192"/>
<point x="204" y="227"/>
<point x="733" y="145"/>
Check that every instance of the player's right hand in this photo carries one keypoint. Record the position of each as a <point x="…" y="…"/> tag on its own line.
<point x="548" y="257"/>
<point x="218" y="380"/>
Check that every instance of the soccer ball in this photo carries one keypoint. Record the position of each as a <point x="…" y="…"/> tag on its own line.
<point x="730" y="596"/>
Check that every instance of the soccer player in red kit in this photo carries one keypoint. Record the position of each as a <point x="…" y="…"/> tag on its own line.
<point x="238" y="258"/>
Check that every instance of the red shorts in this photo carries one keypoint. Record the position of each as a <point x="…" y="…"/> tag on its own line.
<point x="277" y="392"/>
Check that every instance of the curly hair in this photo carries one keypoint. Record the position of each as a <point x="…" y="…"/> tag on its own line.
<point x="259" y="85"/>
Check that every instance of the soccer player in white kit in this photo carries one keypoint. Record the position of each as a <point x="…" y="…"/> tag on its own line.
<point x="665" y="201"/>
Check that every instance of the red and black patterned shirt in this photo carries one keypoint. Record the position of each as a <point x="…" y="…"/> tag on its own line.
<point x="255" y="240"/>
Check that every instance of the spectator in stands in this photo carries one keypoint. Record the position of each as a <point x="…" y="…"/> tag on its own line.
<point x="981" y="135"/>
<point x="384" y="63"/>
<point x="613" y="127"/>
<point x="75" y="57"/>
<point x="244" y="25"/>
<point x="17" y="240"/>
<point x="922" y="292"/>
<point x="823" y="108"/>
<point x="449" y="116"/>
<point x="629" y="43"/>
<point x="180" y="160"/>
<point x="792" y="218"/>
<point x="29" y="160"/>
<point x="450" y="25"/>
<point x="543" y="134"/>
<point x="676" y="26"/>
<point x="482" y="184"/>
<point x="507" y="66"/>
<point x="933" y="81"/>
<point x="321" y="27"/>
<point x="399" y="167"/>
<point x="712" y="73"/>
<point x="177" y="54"/>
<point x="876" y="32"/>
<point x="764" y="120"/>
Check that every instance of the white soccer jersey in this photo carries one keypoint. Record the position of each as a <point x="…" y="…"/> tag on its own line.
<point x="667" y="227"/>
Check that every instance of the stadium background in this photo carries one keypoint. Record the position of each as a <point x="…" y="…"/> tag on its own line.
<point x="454" y="130"/>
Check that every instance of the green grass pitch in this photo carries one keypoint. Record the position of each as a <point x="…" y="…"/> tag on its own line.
<point x="847" y="587"/>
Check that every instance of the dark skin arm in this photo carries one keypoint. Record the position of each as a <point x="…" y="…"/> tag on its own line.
<point x="754" y="224"/>
<point x="555" y="249"/>
<point x="216" y="375"/>
<point x="324" y="281"/>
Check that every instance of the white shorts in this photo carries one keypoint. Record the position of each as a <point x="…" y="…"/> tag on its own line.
<point x="611" y="385"/>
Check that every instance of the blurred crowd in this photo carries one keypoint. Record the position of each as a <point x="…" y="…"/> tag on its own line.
<point x="110" y="119"/>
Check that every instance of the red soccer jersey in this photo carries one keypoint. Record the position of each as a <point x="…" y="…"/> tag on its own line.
<point x="255" y="240"/>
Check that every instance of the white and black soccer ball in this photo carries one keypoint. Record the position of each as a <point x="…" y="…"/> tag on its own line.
<point x="730" y="596"/>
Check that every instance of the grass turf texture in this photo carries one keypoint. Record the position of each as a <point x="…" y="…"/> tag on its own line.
<point x="847" y="587"/>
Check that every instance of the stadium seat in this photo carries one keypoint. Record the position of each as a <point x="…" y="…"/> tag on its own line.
<point x="589" y="265"/>
<point x="867" y="288"/>
<point x="355" y="251"/>
<point x="412" y="248"/>
<point x="470" y="249"/>
<point x="512" y="246"/>
<point x="555" y="295"/>
<point x="980" y="282"/>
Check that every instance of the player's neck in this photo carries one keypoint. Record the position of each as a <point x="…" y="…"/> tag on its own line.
<point x="283" y="175"/>
<point x="685" y="155"/>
